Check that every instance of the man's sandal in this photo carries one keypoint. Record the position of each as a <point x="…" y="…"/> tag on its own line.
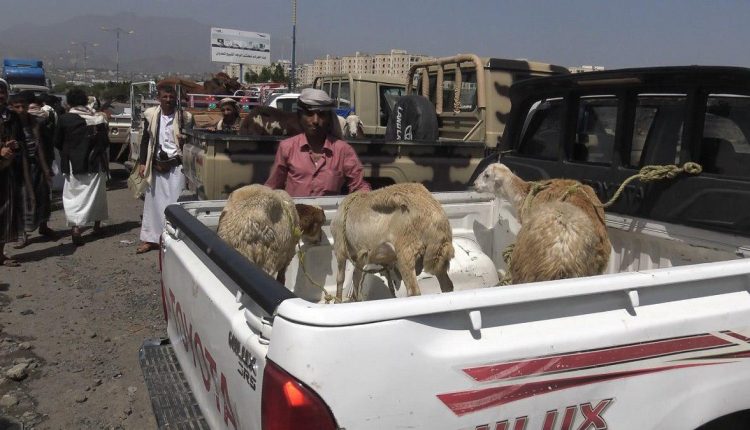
<point x="8" y="262"/>
<point x="146" y="247"/>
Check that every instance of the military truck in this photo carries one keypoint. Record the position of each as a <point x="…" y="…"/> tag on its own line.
<point x="370" y="97"/>
<point x="437" y="137"/>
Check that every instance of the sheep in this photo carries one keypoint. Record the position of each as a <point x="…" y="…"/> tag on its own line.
<point x="562" y="233"/>
<point x="400" y="226"/>
<point x="353" y="127"/>
<point x="265" y="226"/>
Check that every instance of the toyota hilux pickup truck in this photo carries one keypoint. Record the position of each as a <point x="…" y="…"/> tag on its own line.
<point x="661" y="340"/>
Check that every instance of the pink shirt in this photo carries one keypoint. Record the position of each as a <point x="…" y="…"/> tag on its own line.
<point x="293" y="169"/>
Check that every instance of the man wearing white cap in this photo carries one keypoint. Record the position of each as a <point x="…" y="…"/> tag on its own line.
<point x="230" y="116"/>
<point x="314" y="162"/>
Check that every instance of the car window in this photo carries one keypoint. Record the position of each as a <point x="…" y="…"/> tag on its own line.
<point x="287" y="105"/>
<point x="657" y="132"/>
<point x="334" y="90"/>
<point x="595" y="129"/>
<point x="345" y="95"/>
<point x="388" y="97"/>
<point x="468" y="100"/>
<point x="725" y="149"/>
<point x="542" y="130"/>
<point x="326" y="87"/>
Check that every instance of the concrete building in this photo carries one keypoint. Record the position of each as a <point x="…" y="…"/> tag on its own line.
<point x="327" y="66"/>
<point x="396" y="63"/>
<point x="357" y="63"/>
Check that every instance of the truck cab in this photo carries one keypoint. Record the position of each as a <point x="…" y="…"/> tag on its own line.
<point x="603" y="127"/>
<point x="25" y="75"/>
<point x="470" y="95"/>
<point x="369" y="96"/>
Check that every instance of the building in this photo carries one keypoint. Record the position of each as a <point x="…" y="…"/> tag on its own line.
<point x="396" y="63"/>
<point x="358" y="63"/>
<point x="327" y="66"/>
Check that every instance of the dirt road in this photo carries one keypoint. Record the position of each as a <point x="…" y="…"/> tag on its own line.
<point x="72" y="320"/>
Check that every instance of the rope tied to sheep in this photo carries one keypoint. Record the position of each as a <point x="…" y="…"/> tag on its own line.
<point x="326" y="295"/>
<point x="656" y="173"/>
<point x="297" y="234"/>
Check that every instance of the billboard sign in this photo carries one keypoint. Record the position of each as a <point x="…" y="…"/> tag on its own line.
<point x="244" y="47"/>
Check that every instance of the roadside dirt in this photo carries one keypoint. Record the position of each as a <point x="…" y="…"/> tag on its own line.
<point x="72" y="320"/>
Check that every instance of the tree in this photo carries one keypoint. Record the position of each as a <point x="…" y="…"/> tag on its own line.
<point x="278" y="74"/>
<point x="265" y="75"/>
<point x="251" y="77"/>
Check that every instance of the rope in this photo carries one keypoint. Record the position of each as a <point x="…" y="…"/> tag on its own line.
<point x="656" y="173"/>
<point x="328" y="297"/>
<point x="297" y="234"/>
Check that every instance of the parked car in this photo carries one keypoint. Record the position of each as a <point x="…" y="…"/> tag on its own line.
<point x="284" y="101"/>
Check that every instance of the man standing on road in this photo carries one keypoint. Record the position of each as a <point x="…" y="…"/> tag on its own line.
<point x="37" y="206"/>
<point x="12" y="159"/>
<point x="314" y="162"/>
<point x="82" y="139"/>
<point x="160" y="163"/>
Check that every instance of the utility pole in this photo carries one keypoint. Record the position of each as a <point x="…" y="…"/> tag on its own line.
<point x="85" y="45"/>
<point x="117" y="31"/>
<point x="292" y="74"/>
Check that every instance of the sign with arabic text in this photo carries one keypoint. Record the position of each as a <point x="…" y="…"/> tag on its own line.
<point x="244" y="47"/>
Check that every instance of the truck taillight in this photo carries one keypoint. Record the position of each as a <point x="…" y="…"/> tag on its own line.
<point x="288" y="404"/>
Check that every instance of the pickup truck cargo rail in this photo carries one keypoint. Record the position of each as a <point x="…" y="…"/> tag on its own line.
<point x="254" y="282"/>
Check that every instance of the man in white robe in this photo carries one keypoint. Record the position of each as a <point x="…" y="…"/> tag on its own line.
<point x="160" y="164"/>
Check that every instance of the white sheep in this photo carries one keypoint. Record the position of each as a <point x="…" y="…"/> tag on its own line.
<point x="353" y="127"/>
<point x="264" y="225"/>
<point x="562" y="233"/>
<point x="401" y="226"/>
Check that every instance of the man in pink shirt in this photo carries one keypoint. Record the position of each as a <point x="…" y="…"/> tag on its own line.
<point x="315" y="163"/>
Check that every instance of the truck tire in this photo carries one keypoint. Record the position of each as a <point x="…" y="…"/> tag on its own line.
<point x="413" y="118"/>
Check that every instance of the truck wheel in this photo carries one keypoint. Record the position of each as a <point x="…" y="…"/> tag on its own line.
<point x="412" y="118"/>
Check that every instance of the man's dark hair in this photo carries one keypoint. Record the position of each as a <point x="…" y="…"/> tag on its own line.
<point x="166" y="88"/>
<point x="50" y="100"/>
<point x="76" y="97"/>
<point x="26" y="97"/>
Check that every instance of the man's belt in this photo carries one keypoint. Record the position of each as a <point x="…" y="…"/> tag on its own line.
<point x="164" y="166"/>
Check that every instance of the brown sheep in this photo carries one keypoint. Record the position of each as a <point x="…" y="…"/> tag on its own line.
<point x="268" y="121"/>
<point x="265" y="226"/>
<point x="562" y="231"/>
<point x="402" y="221"/>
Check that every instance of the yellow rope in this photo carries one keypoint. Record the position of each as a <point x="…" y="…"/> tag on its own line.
<point x="297" y="234"/>
<point x="656" y="173"/>
<point x="328" y="297"/>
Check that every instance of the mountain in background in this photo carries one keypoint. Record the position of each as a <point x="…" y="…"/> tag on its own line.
<point x="158" y="44"/>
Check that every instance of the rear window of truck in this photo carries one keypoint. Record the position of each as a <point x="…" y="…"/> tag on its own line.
<point x="724" y="148"/>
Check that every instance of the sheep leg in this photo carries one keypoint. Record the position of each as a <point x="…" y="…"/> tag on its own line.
<point x="357" y="279"/>
<point x="281" y="276"/>
<point x="446" y="285"/>
<point x="406" y="268"/>
<point x="340" y="275"/>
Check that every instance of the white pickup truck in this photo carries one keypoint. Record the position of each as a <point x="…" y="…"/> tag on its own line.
<point x="661" y="341"/>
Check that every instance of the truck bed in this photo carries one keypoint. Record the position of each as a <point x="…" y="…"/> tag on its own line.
<point x="436" y="361"/>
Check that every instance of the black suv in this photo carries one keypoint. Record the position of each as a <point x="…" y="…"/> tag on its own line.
<point x="602" y="127"/>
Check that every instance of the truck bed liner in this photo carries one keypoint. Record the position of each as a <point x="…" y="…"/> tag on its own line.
<point x="172" y="399"/>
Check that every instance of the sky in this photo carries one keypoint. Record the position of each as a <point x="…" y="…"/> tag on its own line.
<point x="606" y="33"/>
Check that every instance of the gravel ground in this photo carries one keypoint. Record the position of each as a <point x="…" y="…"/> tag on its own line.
<point x="72" y="320"/>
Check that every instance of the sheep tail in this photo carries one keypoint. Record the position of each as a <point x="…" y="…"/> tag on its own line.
<point x="389" y="202"/>
<point x="438" y="256"/>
